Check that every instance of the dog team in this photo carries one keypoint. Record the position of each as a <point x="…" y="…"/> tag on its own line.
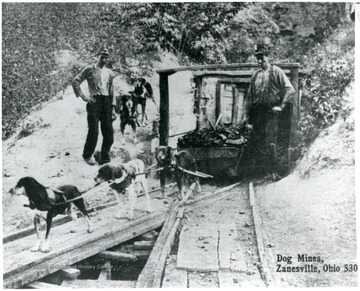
<point x="124" y="179"/>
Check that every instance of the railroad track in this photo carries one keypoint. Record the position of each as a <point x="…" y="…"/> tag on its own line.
<point x="225" y="250"/>
<point x="23" y="268"/>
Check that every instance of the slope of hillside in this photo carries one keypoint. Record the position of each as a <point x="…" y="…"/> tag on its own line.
<point x="48" y="146"/>
<point x="312" y="211"/>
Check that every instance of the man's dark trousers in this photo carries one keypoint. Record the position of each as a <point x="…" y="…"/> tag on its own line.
<point x="266" y="126"/>
<point x="100" y="111"/>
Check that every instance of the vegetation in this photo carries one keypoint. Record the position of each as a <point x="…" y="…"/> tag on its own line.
<point x="331" y="71"/>
<point x="35" y="34"/>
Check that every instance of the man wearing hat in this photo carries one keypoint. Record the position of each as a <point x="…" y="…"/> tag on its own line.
<point x="270" y="93"/>
<point x="100" y="106"/>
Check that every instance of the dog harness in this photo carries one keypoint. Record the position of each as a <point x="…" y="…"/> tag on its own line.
<point x="51" y="200"/>
<point x="121" y="187"/>
<point x="51" y="196"/>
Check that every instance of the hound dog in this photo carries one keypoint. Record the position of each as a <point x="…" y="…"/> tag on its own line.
<point x="173" y="165"/>
<point x="126" y="177"/>
<point x="53" y="202"/>
<point x="143" y="91"/>
<point x="126" y="107"/>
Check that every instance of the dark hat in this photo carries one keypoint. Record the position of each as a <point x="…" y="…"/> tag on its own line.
<point x="262" y="49"/>
<point x="103" y="52"/>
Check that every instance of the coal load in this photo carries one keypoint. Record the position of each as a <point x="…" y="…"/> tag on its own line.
<point x="220" y="136"/>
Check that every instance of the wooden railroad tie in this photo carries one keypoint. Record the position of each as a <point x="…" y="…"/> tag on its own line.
<point x="117" y="256"/>
<point x="143" y="245"/>
<point x="42" y="285"/>
<point x="105" y="273"/>
<point x="70" y="273"/>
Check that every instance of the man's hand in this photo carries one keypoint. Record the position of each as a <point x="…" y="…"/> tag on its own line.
<point x="245" y="121"/>
<point x="89" y="99"/>
<point x="277" y="109"/>
<point x="113" y="114"/>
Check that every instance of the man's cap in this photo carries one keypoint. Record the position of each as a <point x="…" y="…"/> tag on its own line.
<point x="141" y="79"/>
<point x="103" y="52"/>
<point x="262" y="49"/>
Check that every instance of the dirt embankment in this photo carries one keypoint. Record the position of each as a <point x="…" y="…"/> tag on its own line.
<point x="312" y="211"/>
<point x="49" y="143"/>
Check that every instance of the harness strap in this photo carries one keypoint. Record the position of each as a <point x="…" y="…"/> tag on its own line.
<point x="51" y="196"/>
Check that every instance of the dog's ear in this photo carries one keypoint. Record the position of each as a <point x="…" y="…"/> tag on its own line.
<point x="157" y="151"/>
<point x="131" y="172"/>
<point x="105" y="172"/>
<point x="117" y="172"/>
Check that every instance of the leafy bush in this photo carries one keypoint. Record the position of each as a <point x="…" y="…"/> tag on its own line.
<point x="135" y="33"/>
<point x="323" y="91"/>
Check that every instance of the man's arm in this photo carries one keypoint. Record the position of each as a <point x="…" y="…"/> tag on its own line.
<point x="288" y="97"/>
<point x="113" y="98"/>
<point x="287" y="87"/>
<point x="81" y="77"/>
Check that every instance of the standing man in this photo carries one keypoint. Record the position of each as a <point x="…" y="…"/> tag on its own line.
<point x="100" y="106"/>
<point x="270" y="94"/>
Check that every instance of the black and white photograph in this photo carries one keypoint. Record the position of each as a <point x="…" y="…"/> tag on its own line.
<point x="179" y="144"/>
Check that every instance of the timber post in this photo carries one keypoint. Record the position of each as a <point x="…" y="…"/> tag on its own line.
<point x="164" y="109"/>
<point x="198" y="92"/>
<point x="294" y="75"/>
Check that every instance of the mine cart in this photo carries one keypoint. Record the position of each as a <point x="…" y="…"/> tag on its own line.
<point x="219" y="92"/>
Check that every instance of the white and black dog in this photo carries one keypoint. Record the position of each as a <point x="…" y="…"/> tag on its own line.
<point x="126" y="177"/>
<point x="53" y="202"/>
<point x="173" y="166"/>
<point x="126" y="106"/>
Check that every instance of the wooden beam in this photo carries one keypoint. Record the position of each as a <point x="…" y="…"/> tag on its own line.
<point x="231" y="255"/>
<point x="150" y="236"/>
<point x="218" y="100"/>
<point x="160" y="268"/>
<point x="21" y="276"/>
<point x="70" y="273"/>
<point x="198" y="93"/>
<point x="57" y="221"/>
<point x="211" y="197"/>
<point x="224" y="74"/>
<point x="105" y="273"/>
<point x="164" y="109"/>
<point x="61" y="220"/>
<point x="117" y="256"/>
<point x="143" y="245"/>
<point x="140" y="255"/>
<point x="198" y="248"/>
<point x="295" y="108"/>
<point x="264" y="269"/>
<point x="235" y="80"/>
<point x="294" y="76"/>
<point x="251" y="194"/>
<point x="42" y="285"/>
<point x="98" y="284"/>
<point x="146" y="277"/>
<point x="225" y="67"/>
<point x="235" y="76"/>
<point x="174" y="277"/>
<point x="196" y="280"/>
<point x="236" y="105"/>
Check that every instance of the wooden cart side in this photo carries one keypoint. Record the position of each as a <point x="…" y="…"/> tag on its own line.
<point x="164" y="90"/>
